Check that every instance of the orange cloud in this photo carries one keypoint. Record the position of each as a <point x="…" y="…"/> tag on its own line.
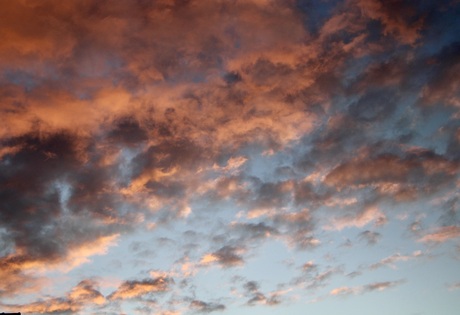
<point x="134" y="289"/>
<point x="227" y="256"/>
<point x="342" y="291"/>
<point x="86" y="292"/>
<point x="83" y="295"/>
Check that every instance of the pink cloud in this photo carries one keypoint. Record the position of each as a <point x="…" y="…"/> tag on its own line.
<point x="360" y="219"/>
<point x="441" y="234"/>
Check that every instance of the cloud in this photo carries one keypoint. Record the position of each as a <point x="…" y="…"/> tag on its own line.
<point x="227" y="256"/>
<point x="360" y="219"/>
<point x="61" y="195"/>
<point x="375" y="286"/>
<point x="380" y="286"/>
<point x="454" y="286"/>
<point x="343" y="291"/>
<point x="297" y="228"/>
<point x="50" y="306"/>
<point x="320" y="278"/>
<point x="203" y="307"/>
<point x="135" y="289"/>
<point x="291" y="121"/>
<point x="84" y="294"/>
<point x="309" y="266"/>
<point x="257" y="297"/>
<point x="381" y="169"/>
<point x="404" y="178"/>
<point x="391" y="260"/>
<point x="443" y="87"/>
<point x="370" y="237"/>
<point x="399" y="19"/>
<point x="383" y="105"/>
<point x="21" y="272"/>
<point x="16" y="281"/>
<point x="441" y="234"/>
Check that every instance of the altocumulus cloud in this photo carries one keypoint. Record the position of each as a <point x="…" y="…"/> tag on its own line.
<point x="215" y="139"/>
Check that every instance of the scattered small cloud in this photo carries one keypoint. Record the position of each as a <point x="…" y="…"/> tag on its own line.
<point x="376" y="286"/>
<point x="203" y="307"/>
<point x="134" y="288"/>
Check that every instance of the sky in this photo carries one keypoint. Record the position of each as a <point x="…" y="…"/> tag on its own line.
<point x="247" y="157"/>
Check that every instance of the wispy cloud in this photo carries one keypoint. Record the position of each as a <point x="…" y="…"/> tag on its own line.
<point x="134" y="288"/>
<point x="203" y="307"/>
<point x="376" y="286"/>
<point x="441" y="234"/>
<point x="391" y="260"/>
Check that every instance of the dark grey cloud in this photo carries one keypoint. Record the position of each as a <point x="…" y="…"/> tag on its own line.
<point x="251" y="286"/>
<point x="370" y="237"/>
<point x="49" y="187"/>
<point x="228" y="256"/>
<point x="127" y="132"/>
<point x="375" y="105"/>
<point x="269" y="195"/>
<point x="254" y="231"/>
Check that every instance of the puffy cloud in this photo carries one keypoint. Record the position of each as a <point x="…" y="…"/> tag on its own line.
<point x="227" y="256"/>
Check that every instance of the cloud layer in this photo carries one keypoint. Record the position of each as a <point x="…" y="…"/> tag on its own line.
<point x="216" y="129"/>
